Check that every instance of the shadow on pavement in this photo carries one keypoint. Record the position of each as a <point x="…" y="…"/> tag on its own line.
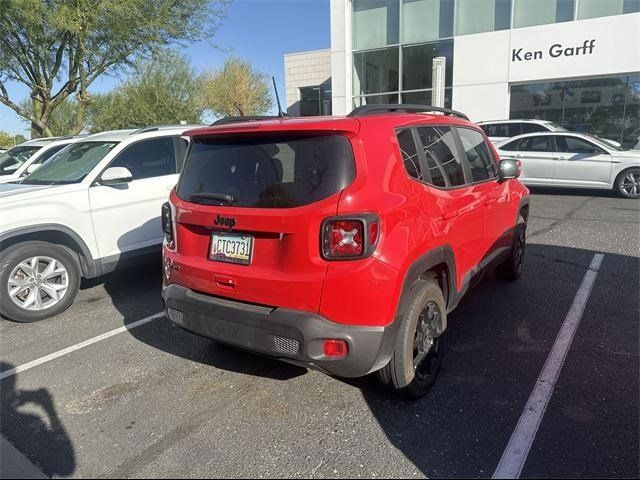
<point x="575" y="192"/>
<point x="135" y="293"/>
<point x="501" y="335"/>
<point x="28" y="419"/>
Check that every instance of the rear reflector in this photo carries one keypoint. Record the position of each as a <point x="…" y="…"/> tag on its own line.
<point x="175" y="315"/>
<point x="335" y="348"/>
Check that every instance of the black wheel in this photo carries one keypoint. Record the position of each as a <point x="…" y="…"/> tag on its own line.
<point x="511" y="268"/>
<point x="421" y="343"/>
<point x="628" y="183"/>
<point x="38" y="280"/>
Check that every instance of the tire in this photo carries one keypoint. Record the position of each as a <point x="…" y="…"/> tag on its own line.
<point x="511" y="268"/>
<point x="400" y="374"/>
<point x="628" y="183"/>
<point x="36" y="299"/>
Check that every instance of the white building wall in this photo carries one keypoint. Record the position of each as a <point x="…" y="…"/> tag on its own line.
<point x="304" y="69"/>
<point x="341" y="63"/>
<point x="484" y="65"/>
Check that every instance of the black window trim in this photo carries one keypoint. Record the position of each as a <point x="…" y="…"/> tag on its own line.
<point x="96" y="182"/>
<point x="423" y="158"/>
<point x="601" y="150"/>
<point x="466" y="160"/>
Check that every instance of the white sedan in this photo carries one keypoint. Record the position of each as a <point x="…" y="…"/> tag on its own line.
<point x="567" y="159"/>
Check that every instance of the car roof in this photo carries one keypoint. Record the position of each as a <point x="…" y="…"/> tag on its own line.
<point x="122" y="135"/>
<point x="544" y="134"/>
<point x="39" y="142"/>
<point x="524" y="120"/>
<point x="325" y="123"/>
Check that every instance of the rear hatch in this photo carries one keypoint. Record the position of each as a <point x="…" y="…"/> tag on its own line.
<point x="248" y="214"/>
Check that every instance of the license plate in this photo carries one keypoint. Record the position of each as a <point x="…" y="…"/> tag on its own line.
<point x="231" y="248"/>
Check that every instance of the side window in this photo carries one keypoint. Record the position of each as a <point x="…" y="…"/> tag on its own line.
<point x="478" y="155"/>
<point x="409" y="154"/>
<point x="155" y="157"/>
<point x="533" y="128"/>
<point x="513" y="129"/>
<point x="48" y="154"/>
<point x="181" y="145"/>
<point x="511" y="146"/>
<point x="439" y="148"/>
<point x="576" y="145"/>
<point x="537" y="144"/>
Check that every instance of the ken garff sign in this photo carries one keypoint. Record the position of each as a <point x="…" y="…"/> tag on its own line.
<point x="556" y="50"/>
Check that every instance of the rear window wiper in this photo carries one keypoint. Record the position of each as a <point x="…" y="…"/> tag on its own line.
<point x="222" y="197"/>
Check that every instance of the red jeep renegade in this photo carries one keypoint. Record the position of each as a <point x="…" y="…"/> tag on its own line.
<point x="340" y="244"/>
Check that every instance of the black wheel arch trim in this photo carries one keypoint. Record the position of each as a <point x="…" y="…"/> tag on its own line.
<point x="90" y="268"/>
<point x="524" y="202"/>
<point x="438" y="256"/>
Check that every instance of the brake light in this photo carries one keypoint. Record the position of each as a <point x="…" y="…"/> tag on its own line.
<point x="335" y="348"/>
<point x="167" y="226"/>
<point x="347" y="238"/>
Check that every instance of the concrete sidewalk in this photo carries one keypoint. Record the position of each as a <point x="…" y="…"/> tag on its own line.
<point x="15" y="465"/>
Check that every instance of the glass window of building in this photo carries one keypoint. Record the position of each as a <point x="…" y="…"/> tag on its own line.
<point x="417" y="64"/>
<point x="426" y="20"/>
<point x="315" y="100"/>
<point x="608" y="107"/>
<point x="424" y="97"/>
<point x="376" y="23"/>
<point x="528" y="13"/>
<point x="375" y="99"/>
<point x="376" y="71"/>
<point x="601" y="8"/>
<point x="482" y="16"/>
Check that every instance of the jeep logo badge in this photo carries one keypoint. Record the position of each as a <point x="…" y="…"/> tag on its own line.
<point x="225" y="221"/>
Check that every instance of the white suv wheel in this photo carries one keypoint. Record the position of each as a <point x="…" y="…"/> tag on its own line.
<point x="38" y="283"/>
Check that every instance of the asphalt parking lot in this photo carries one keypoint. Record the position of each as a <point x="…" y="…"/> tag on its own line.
<point x="155" y="401"/>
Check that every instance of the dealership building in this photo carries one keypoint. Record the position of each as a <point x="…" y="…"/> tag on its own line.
<point x="575" y="62"/>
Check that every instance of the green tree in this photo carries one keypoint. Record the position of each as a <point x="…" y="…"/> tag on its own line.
<point x="237" y="89"/>
<point x="8" y="140"/>
<point x="63" y="119"/>
<point x="162" y="90"/>
<point x="57" y="48"/>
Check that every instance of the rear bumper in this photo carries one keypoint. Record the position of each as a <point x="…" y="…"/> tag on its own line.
<point x="289" y="335"/>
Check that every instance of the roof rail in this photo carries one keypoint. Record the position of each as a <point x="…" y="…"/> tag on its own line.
<point x="391" y="108"/>
<point x="155" y="128"/>
<point x="255" y="118"/>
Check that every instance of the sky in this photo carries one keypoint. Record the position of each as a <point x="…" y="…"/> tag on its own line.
<point x="260" y="31"/>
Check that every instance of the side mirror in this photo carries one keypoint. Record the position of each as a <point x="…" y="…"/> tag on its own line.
<point x="509" y="169"/>
<point x="115" y="176"/>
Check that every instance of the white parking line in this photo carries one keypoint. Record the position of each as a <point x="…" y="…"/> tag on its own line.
<point x="60" y="353"/>
<point x="515" y="455"/>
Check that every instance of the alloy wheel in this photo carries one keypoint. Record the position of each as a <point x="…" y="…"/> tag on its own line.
<point x="427" y="341"/>
<point x="38" y="283"/>
<point x="630" y="184"/>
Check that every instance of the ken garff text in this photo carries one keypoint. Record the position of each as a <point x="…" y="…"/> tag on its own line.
<point x="555" y="51"/>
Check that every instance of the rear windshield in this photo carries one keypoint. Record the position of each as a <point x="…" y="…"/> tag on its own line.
<point x="266" y="172"/>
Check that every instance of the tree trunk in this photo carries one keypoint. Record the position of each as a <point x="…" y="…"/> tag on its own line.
<point x="41" y="113"/>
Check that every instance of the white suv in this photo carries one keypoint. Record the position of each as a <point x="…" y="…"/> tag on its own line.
<point x="91" y="208"/>
<point x="26" y="157"/>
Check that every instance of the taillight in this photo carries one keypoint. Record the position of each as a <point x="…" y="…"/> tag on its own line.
<point x="345" y="238"/>
<point x="167" y="225"/>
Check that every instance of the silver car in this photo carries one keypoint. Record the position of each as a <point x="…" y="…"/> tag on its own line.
<point x="578" y="160"/>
